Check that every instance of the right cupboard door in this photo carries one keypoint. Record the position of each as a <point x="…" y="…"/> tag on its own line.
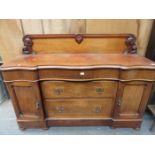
<point x="131" y="99"/>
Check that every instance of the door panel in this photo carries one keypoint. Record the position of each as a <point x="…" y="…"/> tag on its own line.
<point x="131" y="99"/>
<point x="26" y="100"/>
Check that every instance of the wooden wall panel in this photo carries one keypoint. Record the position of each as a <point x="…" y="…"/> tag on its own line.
<point x="111" y="26"/>
<point x="32" y="26"/>
<point x="145" y="27"/>
<point x="10" y="39"/>
<point x="141" y="29"/>
<point x="12" y="31"/>
<point x="66" y="26"/>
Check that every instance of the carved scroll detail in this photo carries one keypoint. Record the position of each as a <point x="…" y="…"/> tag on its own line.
<point x="27" y="49"/>
<point x="131" y="44"/>
<point x="78" y="38"/>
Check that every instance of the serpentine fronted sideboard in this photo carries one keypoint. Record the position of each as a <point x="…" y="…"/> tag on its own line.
<point x="66" y="80"/>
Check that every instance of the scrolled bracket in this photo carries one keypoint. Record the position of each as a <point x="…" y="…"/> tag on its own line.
<point x="131" y="45"/>
<point x="27" y="40"/>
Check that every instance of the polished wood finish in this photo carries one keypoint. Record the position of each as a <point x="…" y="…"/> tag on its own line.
<point x="26" y="100"/>
<point x="81" y="43"/>
<point x="129" y="91"/>
<point x="12" y="31"/>
<point x="78" y="61"/>
<point x="78" y="75"/>
<point x="59" y="89"/>
<point x="142" y="74"/>
<point x="75" y="88"/>
<point x="79" y="108"/>
<point x="20" y="75"/>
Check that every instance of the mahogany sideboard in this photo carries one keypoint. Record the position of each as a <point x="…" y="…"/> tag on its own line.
<point x="66" y="80"/>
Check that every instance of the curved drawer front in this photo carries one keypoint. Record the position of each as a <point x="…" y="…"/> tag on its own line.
<point x="79" y="108"/>
<point x="86" y="74"/>
<point x="20" y="75"/>
<point x="59" y="89"/>
<point x="135" y="74"/>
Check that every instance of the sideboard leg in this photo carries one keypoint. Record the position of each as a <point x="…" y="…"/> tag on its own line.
<point x="22" y="129"/>
<point x="45" y="128"/>
<point x="112" y="127"/>
<point x="138" y="128"/>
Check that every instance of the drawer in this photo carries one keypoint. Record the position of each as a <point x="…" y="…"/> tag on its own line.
<point x="137" y="74"/>
<point x="59" y="89"/>
<point x="20" y="75"/>
<point x="79" y="108"/>
<point x="86" y="74"/>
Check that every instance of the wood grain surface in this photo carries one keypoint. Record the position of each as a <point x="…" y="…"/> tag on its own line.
<point x="12" y="31"/>
<point x="83" y="60"/>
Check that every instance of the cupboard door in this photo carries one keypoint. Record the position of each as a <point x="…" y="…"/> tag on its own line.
<point x="131" y="99"/>
<point x="26" y="100"/>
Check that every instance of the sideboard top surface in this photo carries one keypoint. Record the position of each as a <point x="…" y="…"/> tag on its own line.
<point x="79" y="51"/>
<point x="79" y="60"/>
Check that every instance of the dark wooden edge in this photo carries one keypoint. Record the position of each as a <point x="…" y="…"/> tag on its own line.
<point x="79" y="122"/>
<point x="32" y="68"/>
<point x="131" y="44"/>
<point x="114" y="123"/>
<point x="47" y="36"/>
<point x="130" y="40"/>
<point x="127" y="123"/>
<point x="28" y="43"/>
<point x="24" y="124"/>
<point x="81" y="80"/>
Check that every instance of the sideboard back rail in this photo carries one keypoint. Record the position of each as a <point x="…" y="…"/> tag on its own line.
<point x="80" y="43"/>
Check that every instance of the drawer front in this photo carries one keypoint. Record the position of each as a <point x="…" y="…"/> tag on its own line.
<point x="20" y="75"/>
<point x="137" y="74"/>
<point x="59" y="89"/>
<point x="79" y="108"/>
<point x="78" y="74"/>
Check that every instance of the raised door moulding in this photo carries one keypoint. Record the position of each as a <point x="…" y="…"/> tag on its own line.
<point x="130" y="41"/>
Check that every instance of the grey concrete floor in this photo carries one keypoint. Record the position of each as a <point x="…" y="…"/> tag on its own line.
<point x="8" y="126"/>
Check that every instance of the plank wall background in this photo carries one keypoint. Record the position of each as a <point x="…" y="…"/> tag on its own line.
<point x="12" y="31"/>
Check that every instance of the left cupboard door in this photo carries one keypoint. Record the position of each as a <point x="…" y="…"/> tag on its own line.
<point x="26" y="100"/>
